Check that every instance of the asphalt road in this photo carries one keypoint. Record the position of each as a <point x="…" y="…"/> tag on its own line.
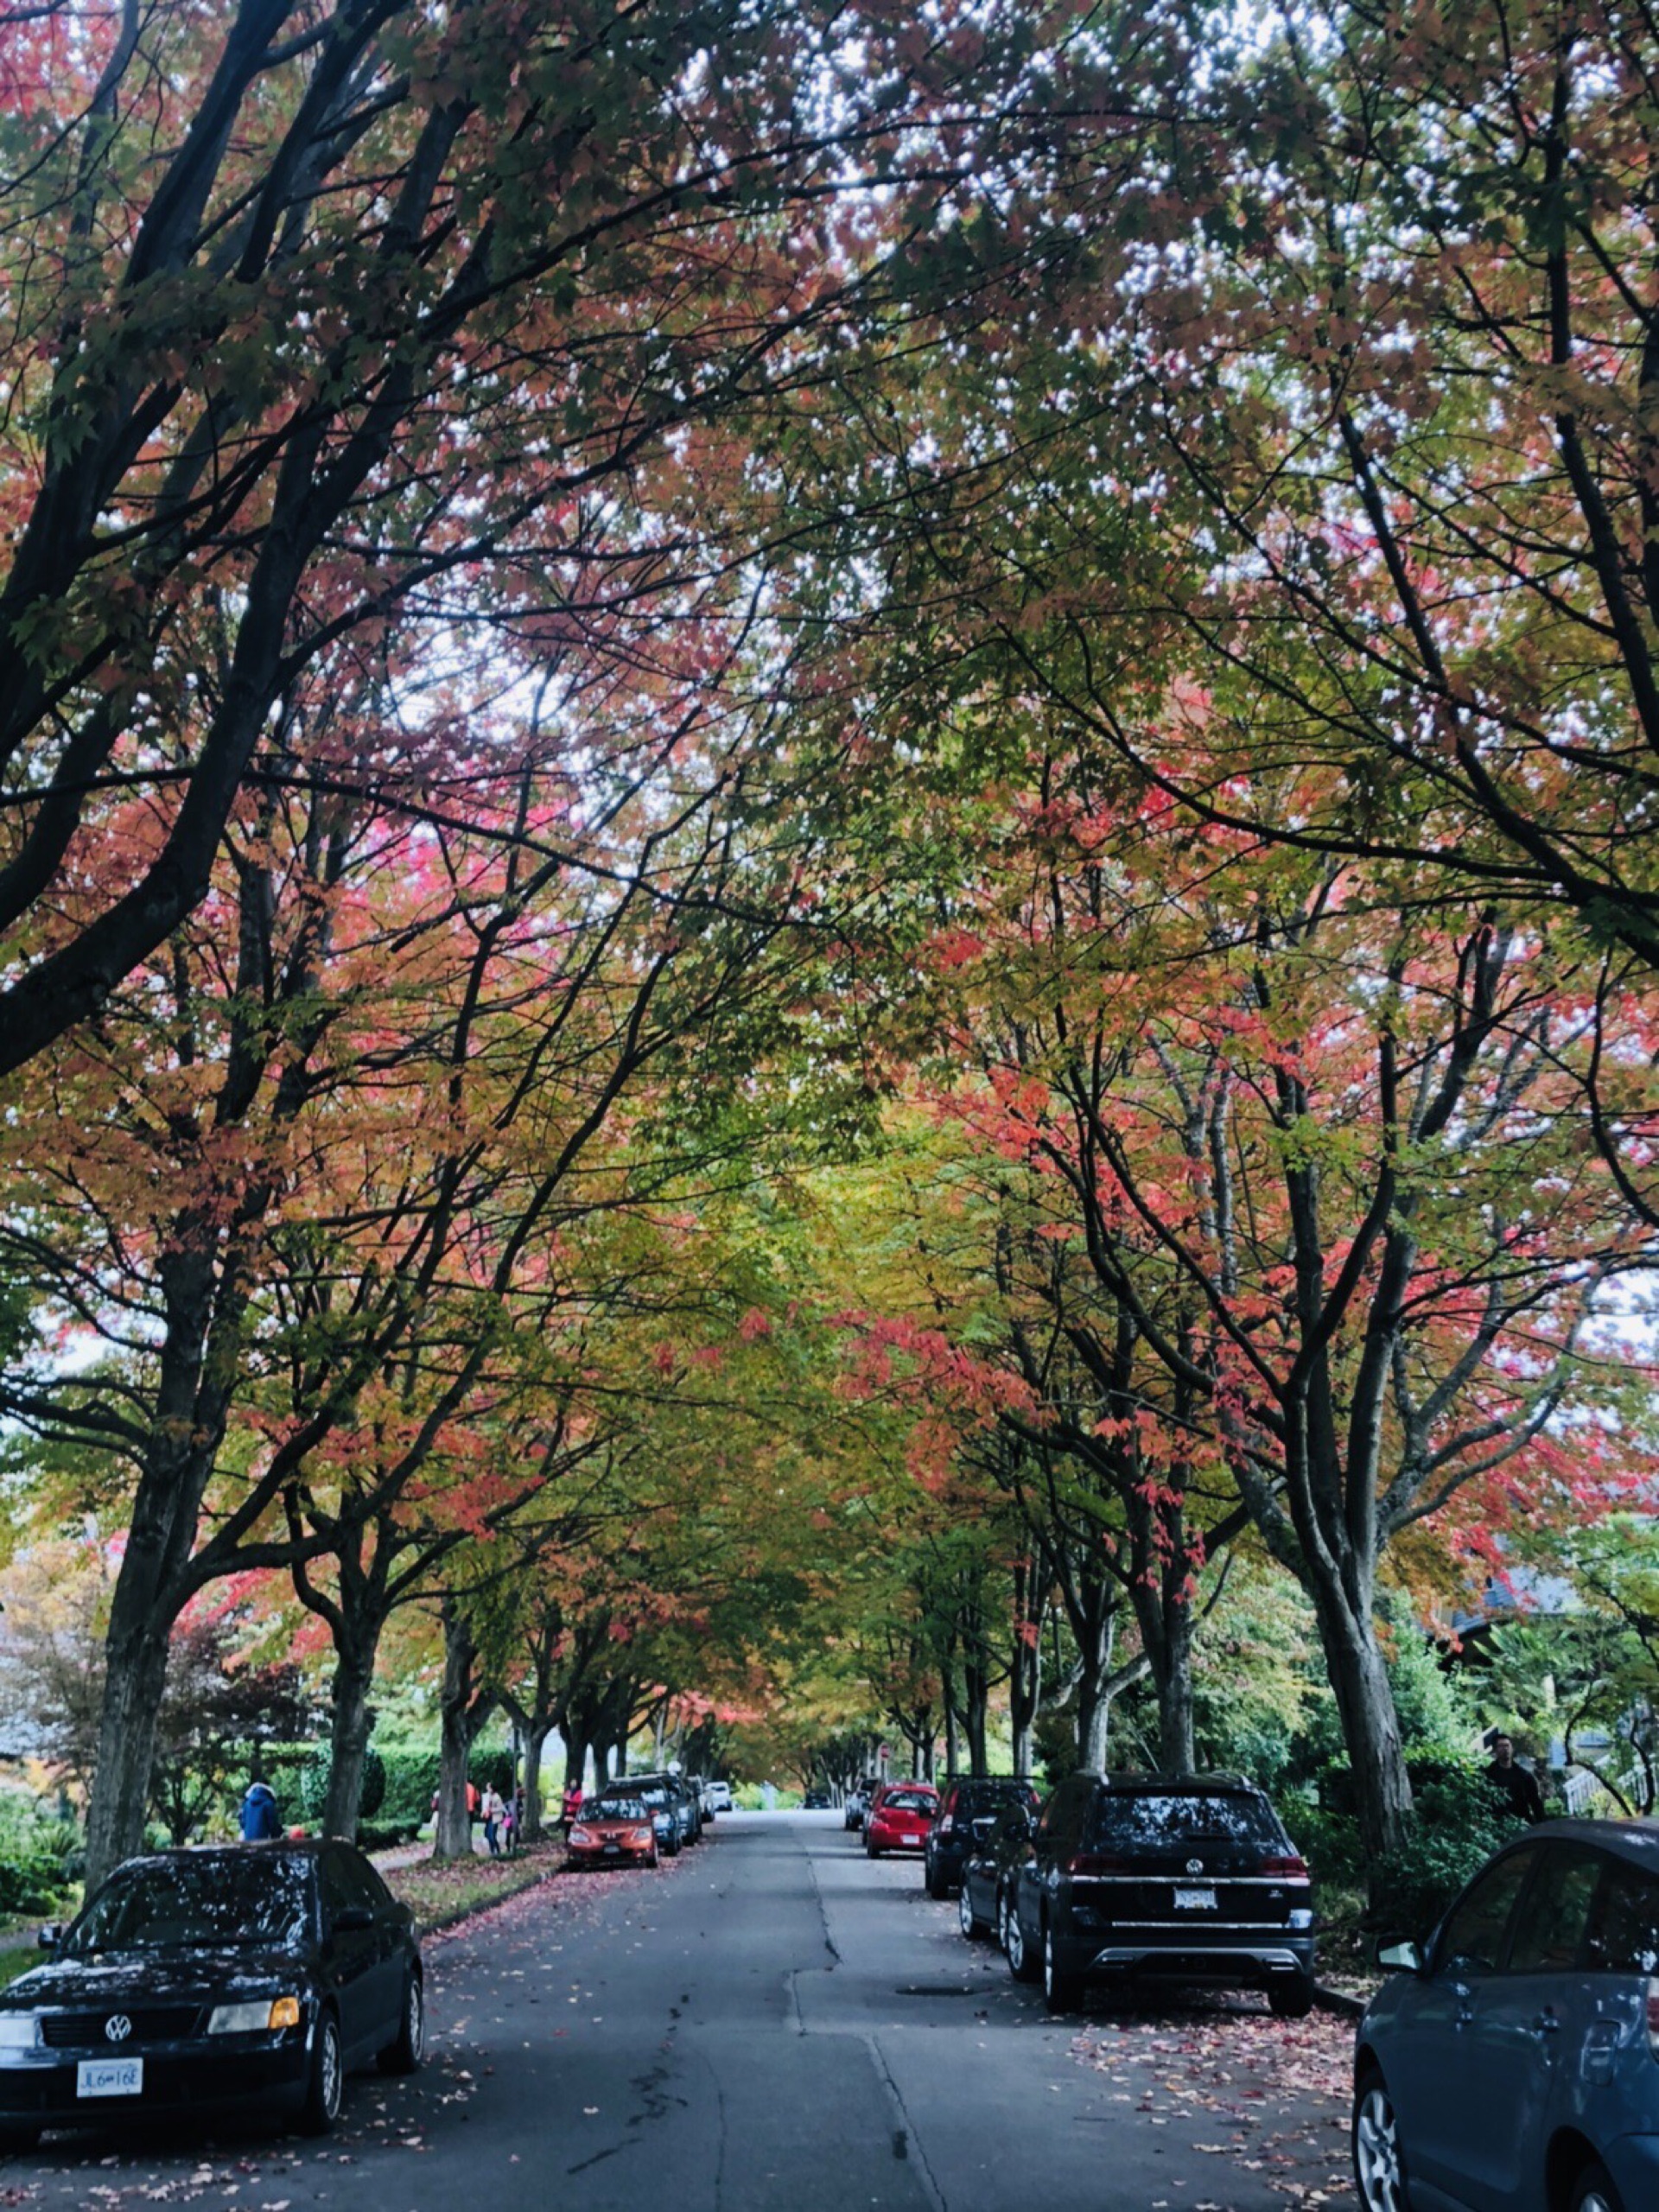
<point x="771" y="2024"/>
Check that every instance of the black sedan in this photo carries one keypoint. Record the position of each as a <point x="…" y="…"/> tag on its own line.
<point x="1000" y="1844"/>
<point x="213" y="1982"/>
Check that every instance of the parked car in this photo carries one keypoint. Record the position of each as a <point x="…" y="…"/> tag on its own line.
<point x="1510" y="2063"/>
<point x="948" y="1837"/>
<point x="662" y="1799"/>
<point x="816" y="1801"/>
<point x="856" y="1803"/>
<point x="999" y="1844"/>
<point x="1128" y="1877"/>
<point x="720" y="1797"/>
<point x="211" y="1982"/>
<point x="613" y="1831"/>
<point x="899" y="1816"/>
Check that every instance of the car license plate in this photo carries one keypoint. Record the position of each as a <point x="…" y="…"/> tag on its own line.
<point x="612" y="1850"/>
<point x="110" y="2077"/>
<point x="1195" y="1900"/>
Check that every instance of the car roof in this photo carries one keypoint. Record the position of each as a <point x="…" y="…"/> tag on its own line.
<point x="1163" y="1785"/>
<point x="277" y="1847"/>
<point x="1636" y="1840"/>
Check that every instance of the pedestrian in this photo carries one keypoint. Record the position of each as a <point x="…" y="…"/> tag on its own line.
<point x="571" y="1808"/>
<point x="262" y="1817"/>
<point x="518" y="1815"/>
<point x="1514" y="1784"/>
<point x="491" y="1821"/>
<point x="506" y="1828"/>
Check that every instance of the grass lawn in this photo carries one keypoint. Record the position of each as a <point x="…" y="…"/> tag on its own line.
<point x="438" y="1893"/>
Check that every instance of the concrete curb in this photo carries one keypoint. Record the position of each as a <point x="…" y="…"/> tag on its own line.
<point x="1337" y="2001"/>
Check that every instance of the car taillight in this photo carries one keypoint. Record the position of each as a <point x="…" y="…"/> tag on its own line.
<point x="1096" y="1862"/>
<point x="946" y="1823"/>
<point x="1294" y="1869"/>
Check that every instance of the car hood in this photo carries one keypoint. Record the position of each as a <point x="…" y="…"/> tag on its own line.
<point x="153" y="1977"/>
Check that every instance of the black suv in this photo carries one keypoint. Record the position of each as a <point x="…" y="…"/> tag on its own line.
<point x="973" y="1798"/>
<point x="1129" y="1876"/>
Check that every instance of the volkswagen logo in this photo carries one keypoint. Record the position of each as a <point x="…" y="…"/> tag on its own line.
<point x="1195" y="1866"/>
<point x="117" y="2027"/>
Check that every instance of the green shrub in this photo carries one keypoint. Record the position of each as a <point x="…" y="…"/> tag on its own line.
<point x="384" y="1835"/>
<point x="1456" y="1830"/>
<point x="40" y="1856"/>
<point x="411" y="1776"/>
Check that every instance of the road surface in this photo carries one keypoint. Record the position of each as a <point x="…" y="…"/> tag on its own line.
<point x="771" y="2024"/>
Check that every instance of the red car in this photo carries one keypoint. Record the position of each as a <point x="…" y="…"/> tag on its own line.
<point x="611" y="1831"/>
<point x="899" y="1817"/>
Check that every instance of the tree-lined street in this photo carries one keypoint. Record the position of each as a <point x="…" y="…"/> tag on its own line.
<point x="776" y="2023"/>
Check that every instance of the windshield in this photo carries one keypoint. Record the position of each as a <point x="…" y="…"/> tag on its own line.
<point x="1187" y="1816"/>
<point x="618" y="1809"/>
<point x="216" y="1898"/>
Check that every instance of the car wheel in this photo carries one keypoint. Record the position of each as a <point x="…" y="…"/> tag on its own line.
<point x="1594" y="2191"/>
<point x="937" y="1884"/>
<point x="327" y="2081"/>
<point x="1292" y="2000"/>
<point x="1379" y="2156"/>
<point x="1023" y="1962"/>
<point x="402" y="2055"/>
<point x="967" y="1919"/>
<point x="1062" y="1993"/>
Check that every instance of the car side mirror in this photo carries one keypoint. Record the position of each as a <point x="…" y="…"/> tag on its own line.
<point x="1400" y="1955"/>
<point x="350" y="1919"/>
<point x="50" y="1934"/>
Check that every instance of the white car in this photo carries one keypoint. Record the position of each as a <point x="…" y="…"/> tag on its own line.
<point x="717" y="1797"/>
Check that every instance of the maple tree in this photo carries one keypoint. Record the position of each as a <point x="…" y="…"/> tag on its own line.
<point x="321" y="316"/>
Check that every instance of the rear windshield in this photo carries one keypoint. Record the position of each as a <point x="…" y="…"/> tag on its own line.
<point x="908" y="1801"/>
<point x="1152" y="1820"/>
<point x="241" y="1898"/>
<point x="975" y="1797"/>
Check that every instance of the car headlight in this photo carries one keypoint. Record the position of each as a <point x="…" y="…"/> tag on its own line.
<point x="582" y="1835"/>
<point x="254" y="2018"/>
<point x="17" y="2032"/>
<point x="644" y="1835"/>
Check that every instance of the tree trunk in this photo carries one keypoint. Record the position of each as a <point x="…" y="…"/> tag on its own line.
<point x="1165" y="1618"/>
<point x="948" y="1691"/>
<point x="976" y="1717"/>
<point x="1094" y="1698"/>
<point x="534" y="1739"/>
<point x="1025" y="1671"/>
<point x="136" y="1674"/>
<point x="1371" y="1727"/>
<point x="575" y="1758"/>
<point x="454" y="1839"/>
<point x="350" y="1727"/>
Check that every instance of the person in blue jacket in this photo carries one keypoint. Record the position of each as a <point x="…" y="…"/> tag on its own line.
<point x="261" y="1818"/>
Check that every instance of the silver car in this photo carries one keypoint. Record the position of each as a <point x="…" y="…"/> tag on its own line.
<point x="1511" y="2063"/>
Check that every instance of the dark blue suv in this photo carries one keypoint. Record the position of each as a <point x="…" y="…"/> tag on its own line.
<point x="1512" y="2064"/>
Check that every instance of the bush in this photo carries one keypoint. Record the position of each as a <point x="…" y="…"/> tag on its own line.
<point x="313" y="1785"/>
<point x="485" y="1768"/>
<point x="40" y="1856"/>
<point x="411" y="1776"/>
<point x="384" y="1836"/>
<point x="1456" y="1831"/>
